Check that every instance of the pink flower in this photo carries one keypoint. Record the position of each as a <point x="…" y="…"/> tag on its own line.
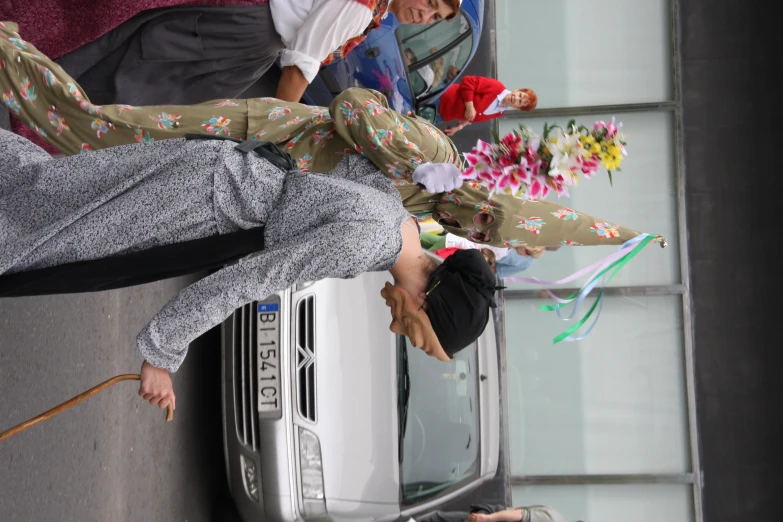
<point x="482" y="147"/>
<point x="511" y="140"/>
<point x="538" y="187"/>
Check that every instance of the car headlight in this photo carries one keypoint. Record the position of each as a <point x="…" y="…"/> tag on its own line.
<point x="310" y="465"/>
<point x="311" y="473"/>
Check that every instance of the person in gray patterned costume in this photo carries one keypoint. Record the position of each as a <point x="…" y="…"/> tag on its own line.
<point x="114" y="202"/>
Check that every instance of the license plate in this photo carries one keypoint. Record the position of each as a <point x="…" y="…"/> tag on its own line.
<point x="268" y="346"/>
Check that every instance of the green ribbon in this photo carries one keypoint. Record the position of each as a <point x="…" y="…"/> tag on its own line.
<point x="617" y="265"/>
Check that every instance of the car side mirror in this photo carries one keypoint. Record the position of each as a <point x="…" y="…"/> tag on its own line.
<point x="428" y="113"/>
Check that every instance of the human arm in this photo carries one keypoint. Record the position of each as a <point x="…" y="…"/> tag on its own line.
<point x="451" y="131"/>
<point x="292" y="84"/>
<point x="394" y="143"/>
<point x="468" y="88"/>
<point x="512" y="263"/>
<point x="470" y="112"/>
<point x="325" y="29"/>
<point x="333" y="225"/>
<point x="507" y="515"/>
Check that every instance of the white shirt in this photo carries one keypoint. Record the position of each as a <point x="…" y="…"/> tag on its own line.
<point x="461" y="242"/>
<point x="312" y="29"/>
<point x="427" y="74"/>
<point x="495" y="107"/>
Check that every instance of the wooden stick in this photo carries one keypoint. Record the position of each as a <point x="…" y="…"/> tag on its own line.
<point x="76" y="400"/>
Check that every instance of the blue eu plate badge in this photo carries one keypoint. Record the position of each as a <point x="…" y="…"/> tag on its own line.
<point x="268" y="308"/>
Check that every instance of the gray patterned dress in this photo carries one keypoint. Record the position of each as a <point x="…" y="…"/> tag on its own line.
<point x="135" y="197"/>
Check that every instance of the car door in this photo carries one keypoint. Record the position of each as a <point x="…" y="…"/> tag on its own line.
<point x="435" y="55"/>
<point x="379" y="62"/>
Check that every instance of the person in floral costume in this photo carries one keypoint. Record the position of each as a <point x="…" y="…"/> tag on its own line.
<point x="359" y="121"/>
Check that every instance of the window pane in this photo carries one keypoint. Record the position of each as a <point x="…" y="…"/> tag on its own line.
<point x="612" y="403"/>
<point x="441" y="440"/>
<point x="644" y="198"/>
<point x="419" y="43"/>
<point x="631" y="503"/>
<point x="576" y="53"/>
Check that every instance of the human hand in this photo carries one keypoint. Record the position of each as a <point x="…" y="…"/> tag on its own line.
<point x="438" y="177"/>
<point x="451" y="131"/>
<point x="156" y="386"/>
<point x="470" y="111"/>
<point x="452" y="72"/>
<point x="478" y="517"/>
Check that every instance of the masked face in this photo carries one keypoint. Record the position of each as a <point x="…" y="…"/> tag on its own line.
<point x="410" y="320"/>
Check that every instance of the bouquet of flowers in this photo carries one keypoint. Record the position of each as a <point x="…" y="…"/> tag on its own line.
<point x="523" y="162"/>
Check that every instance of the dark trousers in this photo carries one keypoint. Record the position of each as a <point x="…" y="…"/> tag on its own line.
<point x="178" y="55"/>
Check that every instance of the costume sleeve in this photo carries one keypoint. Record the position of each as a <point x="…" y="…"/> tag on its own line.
<point x="47" y="100"/>
<point x="326" y="28"/>
<point x="394" y="143"/>
<point x="469" y="87"/>
<point x="363" y="235"/>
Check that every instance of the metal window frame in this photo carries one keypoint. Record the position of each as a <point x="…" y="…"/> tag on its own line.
<point x="695" y="477"/>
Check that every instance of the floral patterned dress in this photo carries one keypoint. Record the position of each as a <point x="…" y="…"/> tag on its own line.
<point x="359" y="121"/>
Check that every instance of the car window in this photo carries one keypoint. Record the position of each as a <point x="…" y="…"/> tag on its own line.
<point x="431" y="51"/>
<point x="440" y="444"/>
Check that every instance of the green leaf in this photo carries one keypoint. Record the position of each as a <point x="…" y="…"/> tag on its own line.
<point x="571" y="124"/>
<point x="610" y="178"/>
<point x="496" y="136"/>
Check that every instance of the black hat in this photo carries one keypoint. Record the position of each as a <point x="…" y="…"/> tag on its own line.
<point x="459" y="295"/>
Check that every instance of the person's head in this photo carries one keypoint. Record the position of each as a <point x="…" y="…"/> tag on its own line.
<point x="459" y="295"/>
<point x="441" y="307"/>
<point x="491" y="258"/>
<point x="522" y="99"/>
<point x="422" y="12"/>
<point x="452" y="72"/>
<point x="410" y="56"/>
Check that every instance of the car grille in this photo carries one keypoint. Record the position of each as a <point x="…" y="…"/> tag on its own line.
<point x="246" y="375"/>
<point x="305" y="357"/>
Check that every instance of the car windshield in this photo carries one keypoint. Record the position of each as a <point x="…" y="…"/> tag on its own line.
<point x="435" y="53"/>
<point x="440" y="442"/>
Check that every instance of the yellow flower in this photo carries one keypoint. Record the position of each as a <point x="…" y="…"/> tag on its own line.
<point x="613" y="150"/>
<point x="595" y="148"/>
<point x="611" y="162"/>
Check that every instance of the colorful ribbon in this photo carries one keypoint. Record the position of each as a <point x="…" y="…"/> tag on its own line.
<point x="616" y="261"/>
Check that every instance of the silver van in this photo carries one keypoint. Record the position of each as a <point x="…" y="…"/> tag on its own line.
<point x="327" y="415"/>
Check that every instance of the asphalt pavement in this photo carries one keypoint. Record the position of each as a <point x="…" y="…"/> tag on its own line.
<point x="113" y="457"/>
